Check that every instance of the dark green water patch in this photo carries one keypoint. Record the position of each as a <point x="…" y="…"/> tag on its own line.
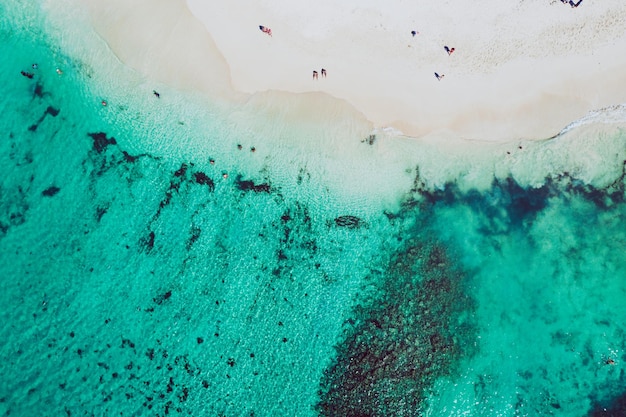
<point x="616" y="407"/>
<point x="507" y="205"/>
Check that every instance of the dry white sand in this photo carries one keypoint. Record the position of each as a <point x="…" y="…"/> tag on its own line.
<point x="520" y="70"/>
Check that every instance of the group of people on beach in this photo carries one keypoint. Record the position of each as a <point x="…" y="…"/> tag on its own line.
<point x="448" y="49"/>
<point x="268" y="31"/>
<point x="315" y="75"/>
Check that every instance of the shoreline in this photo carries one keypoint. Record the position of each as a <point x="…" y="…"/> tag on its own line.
<point x="309" y="130"/>
<point x="495" y="87"/>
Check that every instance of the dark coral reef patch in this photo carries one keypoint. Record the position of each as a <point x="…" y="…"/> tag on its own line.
<point x="400" y="341"/>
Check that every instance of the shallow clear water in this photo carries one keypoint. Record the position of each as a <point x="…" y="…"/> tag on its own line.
<point x="137" y="280"/>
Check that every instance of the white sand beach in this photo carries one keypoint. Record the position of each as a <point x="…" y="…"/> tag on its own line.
<point x="519" y="70"/>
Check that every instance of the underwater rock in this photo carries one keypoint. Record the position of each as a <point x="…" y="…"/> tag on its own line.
<point x="247" y="185"/>
<point x="50" y="191"/>
<point x="101" y="211"/>
<point x="100" y="141"/>
<point x="351" y="222"/>
<point x="49" y="111"/>
<point x="181" y="171"/>
<point x="203" y="179"/>
<point x="150" y="240"/>
<point x="38" y="91"/>
<point x="401" y="341"/>
<point x="162" y="297"/>
<point x="194" y="236"/>
<point x="369" y="140"/>
<point x="128" y="157"/>
<point x="150" y="353"/>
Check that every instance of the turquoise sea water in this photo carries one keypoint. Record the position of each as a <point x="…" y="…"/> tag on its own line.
<point x="137" y="280"/>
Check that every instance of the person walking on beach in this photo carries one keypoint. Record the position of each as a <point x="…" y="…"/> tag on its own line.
<point x="448" y="50"/>
<point x="266" y="30"/>
<point x="323" y="73"/>
<point x="414" y="32"/>
<point x="439" y="77"/>
<point x="315" y="75"/>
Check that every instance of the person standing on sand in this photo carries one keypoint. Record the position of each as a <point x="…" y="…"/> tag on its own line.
<point x="266" y="30"/>
<point x="448" y="50"/>
<point x="323" y="73"/>
<point x="439" y="77"/>
<point x="315" y="75"/>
